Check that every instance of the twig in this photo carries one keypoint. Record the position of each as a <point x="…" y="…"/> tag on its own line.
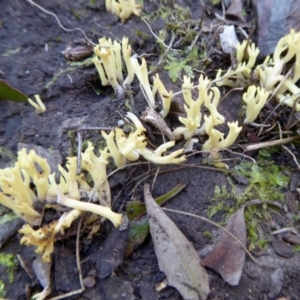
<point x="293" y="156"/>
<point x="155" y="177"/>
<point x="163" y="56"/>
<point x="242" y="154"/>
<point x="229" y="92"/>
<point x="96" y="128"/>
<point x="79" y="149"/>
<point x="160" y="40"/>
<point x="259" y="125"/>
<point x="82" y="289"/>
<point x="285" y="230"/>
<point x="59" y="23"/>
<point x="269" y="144"/>
<point x="190" y="48"/>
<point x="292" y="113"/>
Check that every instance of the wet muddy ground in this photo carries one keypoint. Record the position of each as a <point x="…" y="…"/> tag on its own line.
<point x="30" y="56"/>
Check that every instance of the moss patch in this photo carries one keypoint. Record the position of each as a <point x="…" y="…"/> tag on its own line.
<point x="265" y="181"/>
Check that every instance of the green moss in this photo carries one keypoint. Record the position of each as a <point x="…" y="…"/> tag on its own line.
<point x="75" y="13"/>
<point x="11" y="52"/>
<point x="169" y="12"/>
<point x="2" y="289"/>
<point x="73" y="66"/>
<point x="6" y="154"/>
<point x="58" y="39"/>
<point x="7" y="217"/>
<point x="265" y="181"/>
<point x="215" y="2"/>
<point x="176" y="63"/>
<point x="9" y="261"/>
<point x="141" y="35"/>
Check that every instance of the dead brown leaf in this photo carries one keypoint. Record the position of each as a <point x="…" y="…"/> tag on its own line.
<point x="228" y="257"/>
<point x="176" y="256"/>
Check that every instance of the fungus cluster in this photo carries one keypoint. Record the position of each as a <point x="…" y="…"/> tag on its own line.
<point x="133" y="146"/>
<point x="209" y="97"/>
<point x="108" y="61"/>
<point x="277" y="75"/>
<point x="30" y="180"/>
<point x="123" y="8"/>
<point x="17" y="194"/>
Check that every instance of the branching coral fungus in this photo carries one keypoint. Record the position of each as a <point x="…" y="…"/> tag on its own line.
<point x="241" y="75"/>
<point x="255" y="99"/>
<point x="39" y="105"/>
<point x="108" y="61"/>
<point x="132" y="146"/>
<point x="43" y="239"/>
<point x="216" y="139"/>
<point x="123" y="9"/>
<point x="96" y="166"/>
<point x="15" y="191"/>
<point x="271" y="74"/>
<point x="156" y="156"/>
<point x="141" y="72"/>
<point x="166" y="96"/>
<point x="209" y="97"/>
<point x="192" y="108"/>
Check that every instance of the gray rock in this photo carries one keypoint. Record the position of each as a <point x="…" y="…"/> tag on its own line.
<point x="8" y="229"/>
<point x="275" y="18"/>
<point x="276" y="283"/>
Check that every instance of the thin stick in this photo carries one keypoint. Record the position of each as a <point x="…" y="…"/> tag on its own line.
<point x="285" y="230"/>
<point x="242" y="154"/>
<point x="293" y="155"/>
<point x="59" y="23"/>
<point x="269" y="144"/>
<point x="160" y="40"/>
<point x="79" y="149"/>
<point x="163" y="56"/>
<point x="155" y="177"/>
<point x="96" y="128"/>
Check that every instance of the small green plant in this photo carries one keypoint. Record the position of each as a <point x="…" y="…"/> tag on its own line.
<point x="265" y="181"/>
<point x="2" y="289"/>
<point x="177" y="64"/>
<point x="9" y="261"/>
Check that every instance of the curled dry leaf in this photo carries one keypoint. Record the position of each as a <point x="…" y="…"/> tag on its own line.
<point x="154" y="118"/>
<point x="228" y="257"/>
<point x="236" y="10"/>
<point x="176" y="256"/>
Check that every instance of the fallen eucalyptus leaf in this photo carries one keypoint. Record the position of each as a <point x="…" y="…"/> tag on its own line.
<point x="9" y="93"/>
<point x="228" y="256"/>
<point x="176" y="256"/>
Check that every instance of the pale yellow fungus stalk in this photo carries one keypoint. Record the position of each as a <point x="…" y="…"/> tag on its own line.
<point x="39" y="105"/>
<point x="255" y="99"/>
<point x="103" y="211"/>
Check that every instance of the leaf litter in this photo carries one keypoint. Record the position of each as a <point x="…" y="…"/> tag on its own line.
<point x="228" y="257"/>
<point x="176" y="256"/>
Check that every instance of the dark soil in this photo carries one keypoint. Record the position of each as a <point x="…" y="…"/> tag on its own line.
<point x="30" y="55"/>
